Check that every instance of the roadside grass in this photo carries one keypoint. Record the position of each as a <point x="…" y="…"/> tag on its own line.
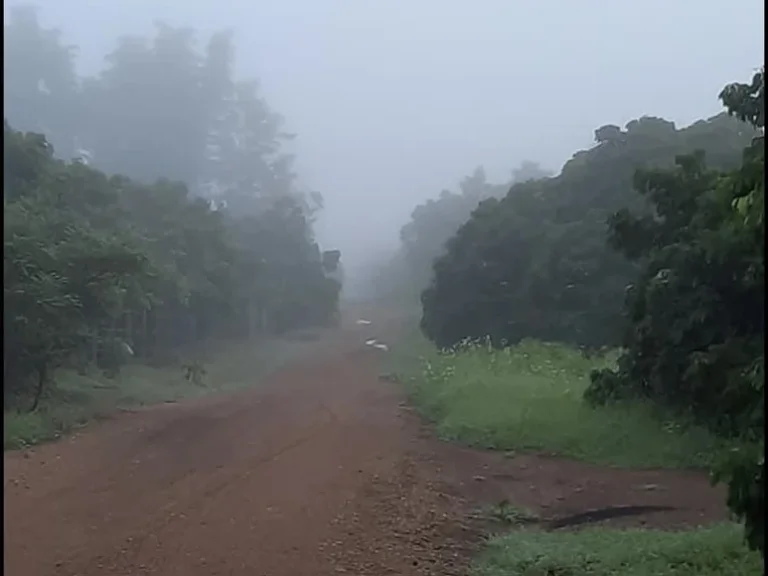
<point x="76" y="399"/>
<point x="713" y="551"/>
<point x="529" y="398"/>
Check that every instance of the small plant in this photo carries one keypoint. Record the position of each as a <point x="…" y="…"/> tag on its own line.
<point x="194" y="372"/>
<point x="506" y="513"/>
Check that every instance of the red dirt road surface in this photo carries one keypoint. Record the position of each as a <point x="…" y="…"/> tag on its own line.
<point x="320" y="470"/>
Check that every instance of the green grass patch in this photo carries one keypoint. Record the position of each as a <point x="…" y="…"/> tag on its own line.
<point x="529" y="398"/>
<point x="714" y="551"/>
<point x="77" y="399"/>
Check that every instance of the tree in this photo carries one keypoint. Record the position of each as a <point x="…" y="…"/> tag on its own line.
<point x="535" y="263"/>
<point x="164" y="125"/>
<point x="62" y="275"/>
<point x="695" y="340"/>
<point x="434" y="222"/>
<point x="40" y="86"/>
<point x="152" y="94"/>
<point x="96" y="263"/>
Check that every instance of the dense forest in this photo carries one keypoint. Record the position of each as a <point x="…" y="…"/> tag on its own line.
<point x="535" y="263"/>
<point x="148" y="209"/>
<point x="651" y="241"/>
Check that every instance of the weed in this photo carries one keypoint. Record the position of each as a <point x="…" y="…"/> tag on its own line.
<point x="714" y="551"/>
<point x="529" y="398"/>
<point x="194" y="372"/>
<point x="508" y="514"/>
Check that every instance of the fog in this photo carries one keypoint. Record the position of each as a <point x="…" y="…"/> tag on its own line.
<point x="393" y="101"/>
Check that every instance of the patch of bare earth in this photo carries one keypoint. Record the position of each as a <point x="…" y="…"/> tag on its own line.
<point x="321" y="470"/>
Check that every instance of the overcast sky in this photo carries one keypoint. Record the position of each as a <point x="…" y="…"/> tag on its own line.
<point x="393" y="100"/>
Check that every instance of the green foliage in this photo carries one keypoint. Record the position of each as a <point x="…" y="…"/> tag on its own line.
<point x="92" y="261"/>
<point x="715" y="551"/>
<point x="679" y="308"/>
<point x="432" y="224"/>
<point x="435" y="221"/>
<point x="178" y="222"/>
<point x="81" y="396"/>
<point x="529" y="397"/>
<point x="535" y="263"/>
<point x="98" y="264"/>
<point x="695" y="340"/>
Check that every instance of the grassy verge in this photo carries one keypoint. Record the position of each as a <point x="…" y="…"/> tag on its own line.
<point x="529" y="398"/>
<point x="714" y="551"/>
<point x="78" y="399"/>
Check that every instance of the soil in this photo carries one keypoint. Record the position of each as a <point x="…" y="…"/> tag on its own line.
<point x="323" y="469"/>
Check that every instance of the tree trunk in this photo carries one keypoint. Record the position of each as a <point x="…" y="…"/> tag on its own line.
<point x="147" y="333"/>
<point x="94" y="355"/>
<point x="129" y="329"/>
<point x="42" y="377"/>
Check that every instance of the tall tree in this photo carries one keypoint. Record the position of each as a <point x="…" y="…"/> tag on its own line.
<point x="151" y="93"/>
<point x="40" y="86"/>
<point x="247" y="166"/>
<point x="695" y="342"/>
<point x="536" y="264"/>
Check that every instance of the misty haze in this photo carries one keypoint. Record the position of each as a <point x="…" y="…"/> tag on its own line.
<point x="252" y="248"/>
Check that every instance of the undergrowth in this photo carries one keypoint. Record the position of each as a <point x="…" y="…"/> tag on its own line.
<point x="76" y="399"/>
<point x="529" y="398"/>
<point x="714" y="551"/>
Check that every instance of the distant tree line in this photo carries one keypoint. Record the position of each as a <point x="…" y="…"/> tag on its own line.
<point x="148" y="209"/>
<point x="404" y="274"/>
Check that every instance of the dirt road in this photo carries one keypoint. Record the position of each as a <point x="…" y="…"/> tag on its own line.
<point x="254" y="483"/>
<point x="320" y="470"/>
